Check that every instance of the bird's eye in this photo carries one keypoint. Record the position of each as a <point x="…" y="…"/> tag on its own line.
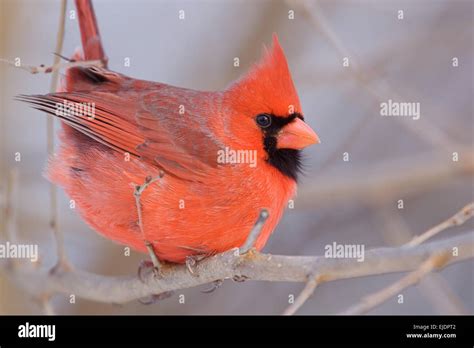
<point x="263" y="120"/>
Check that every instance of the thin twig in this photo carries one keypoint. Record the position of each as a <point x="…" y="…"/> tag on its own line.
<point x="371" y="301"/>
<point x="433" y="286"/>
<point x="55" y="67"/>
<point x="457" y="219"/>
<point x="139" y="189"/>
<point x="305" y="294"/>
<point x="53" y="197"/>
<point x="442" y="295"/>
<point x="45" y="302"/>
<point x="255" y="232"/>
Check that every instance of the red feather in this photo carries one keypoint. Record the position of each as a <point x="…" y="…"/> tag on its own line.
<point x="199" y="206"/>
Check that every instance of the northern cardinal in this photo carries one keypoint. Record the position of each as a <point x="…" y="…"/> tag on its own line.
<point x="138" y="128"/>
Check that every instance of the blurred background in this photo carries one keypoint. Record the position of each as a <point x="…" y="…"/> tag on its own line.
<point x="409" y="59"/>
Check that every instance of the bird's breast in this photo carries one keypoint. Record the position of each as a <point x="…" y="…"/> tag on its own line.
<point x="180" y="217"/>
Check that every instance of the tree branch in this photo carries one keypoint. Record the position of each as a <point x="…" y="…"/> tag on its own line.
<point x="433" y="286"/>
<point x="252" y="265"/>
<point x="457" y="219"/>
<point x="371" y="301"/>
<point x="374" y="300"/>
<point x="305" y="294"/>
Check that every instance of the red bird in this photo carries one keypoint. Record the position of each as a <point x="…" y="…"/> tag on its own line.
<point x="134" y="129"/>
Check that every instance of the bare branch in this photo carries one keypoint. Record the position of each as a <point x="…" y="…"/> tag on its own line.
<point x="442" y="296"/>
<point x="53" y="197"/>
<point x="376" y="299"/>
<point x="457" y="219"/>
<point x="433" y="286"/>
<point x="56" y="67"/>
<point x="305" y="294"/>
<point x="253" y="265"/>
<point x="45" y="302"/>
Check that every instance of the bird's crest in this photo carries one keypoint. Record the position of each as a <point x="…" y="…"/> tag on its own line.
<point x="267" y="87"/>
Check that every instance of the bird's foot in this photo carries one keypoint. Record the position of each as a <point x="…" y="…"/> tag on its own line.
<point x="153" y="263"/>
<point x="191" y="263"/>
<point x="155" y="298"/>
<point x="216" y="284"/>
<point x="240" y="278"/>
<point x="144" y="269"/>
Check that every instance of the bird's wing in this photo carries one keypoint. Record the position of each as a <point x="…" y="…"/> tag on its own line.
<point x="161" y="124"/>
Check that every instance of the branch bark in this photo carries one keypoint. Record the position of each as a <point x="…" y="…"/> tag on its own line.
<point x="253" y="265"/>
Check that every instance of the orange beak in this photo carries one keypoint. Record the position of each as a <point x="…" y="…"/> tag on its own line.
<point x="296" y="135"/>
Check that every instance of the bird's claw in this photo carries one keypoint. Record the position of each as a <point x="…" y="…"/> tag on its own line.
<point x="216" y="284"/>
<point x="191" y="263"/>
<point x="155" y="298"/>
<point x="240" y="278"/>
<point x="146" y="265"/>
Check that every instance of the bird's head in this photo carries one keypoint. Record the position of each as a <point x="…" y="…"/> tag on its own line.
<point x="266" y="113"/>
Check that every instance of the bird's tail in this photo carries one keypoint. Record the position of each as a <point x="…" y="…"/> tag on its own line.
<point x="91" y="42"/>
<point x="76" y="77"/>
